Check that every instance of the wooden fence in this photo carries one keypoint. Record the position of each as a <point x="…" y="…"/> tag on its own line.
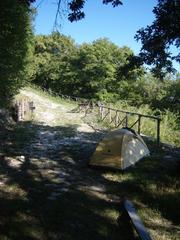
<point x="119" y="118"/>
<point x="115" y="117"/>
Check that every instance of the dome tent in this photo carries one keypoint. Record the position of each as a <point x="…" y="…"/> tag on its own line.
<point x="119" y="149"/>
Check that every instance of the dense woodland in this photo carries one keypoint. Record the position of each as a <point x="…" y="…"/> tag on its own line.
<point x="99" y="70"/>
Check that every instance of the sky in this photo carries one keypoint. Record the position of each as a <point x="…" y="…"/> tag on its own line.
<point x="118" y="24"/>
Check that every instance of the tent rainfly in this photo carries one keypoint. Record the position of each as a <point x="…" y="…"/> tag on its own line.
<point x="119" y="149"/>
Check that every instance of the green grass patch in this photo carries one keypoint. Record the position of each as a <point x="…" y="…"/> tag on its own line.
<point x="51" y="96"/>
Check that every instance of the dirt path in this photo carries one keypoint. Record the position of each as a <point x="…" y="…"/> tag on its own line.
<point x="62" y="146"/>
<point x="51" y="113"/>
<point x="48" y="191"/>
<point x="54" y="170"/>
<point x="45" y="173"/>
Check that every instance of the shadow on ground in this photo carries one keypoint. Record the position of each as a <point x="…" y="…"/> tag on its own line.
<point x="47" y="190"/>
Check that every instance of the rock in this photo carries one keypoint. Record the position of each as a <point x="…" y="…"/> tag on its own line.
<point x="22" y="158"/>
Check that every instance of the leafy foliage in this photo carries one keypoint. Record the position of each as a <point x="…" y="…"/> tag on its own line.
<point x="16" y="46"/>
<point x="90" y="70"/>
<point x="51" y="60"/>
<point x="97" y="68"/>
<point x="76" y="8"/>
<point x="157" y="38"/>
<point x="100" y="70"/>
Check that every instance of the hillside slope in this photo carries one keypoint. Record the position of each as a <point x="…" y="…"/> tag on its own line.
<point x="48" y="192"/>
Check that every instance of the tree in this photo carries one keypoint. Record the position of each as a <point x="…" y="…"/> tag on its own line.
<point x="76" y="8"/>
<point x="15" y="42"/>
<point x="52" y="59"/>
<point x="156" y="39"/>
<point x="160" y="36"/>
<point x="93" y="70"/>
<point x="97" y="69"/>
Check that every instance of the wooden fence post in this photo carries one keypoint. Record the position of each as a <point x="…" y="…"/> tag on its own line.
<point x="126" y="120"/>
<point x="139" y="124"/>
<point x="117" y="118"/>
<point x="102" y="112"/>
<point x="158" y="131"/>
<point x="99" y="110"/>
<point x="110" y="115"/>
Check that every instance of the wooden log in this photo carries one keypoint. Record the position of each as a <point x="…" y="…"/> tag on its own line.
<point x="136" y="221"/>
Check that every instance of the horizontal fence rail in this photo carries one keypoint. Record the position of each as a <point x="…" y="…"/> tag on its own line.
<point x="121" y="117"/>
<point x="114" y="117"/>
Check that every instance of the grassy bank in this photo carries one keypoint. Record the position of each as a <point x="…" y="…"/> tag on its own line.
<point x="48" y="192"/>
<point x="169" y="127"/>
